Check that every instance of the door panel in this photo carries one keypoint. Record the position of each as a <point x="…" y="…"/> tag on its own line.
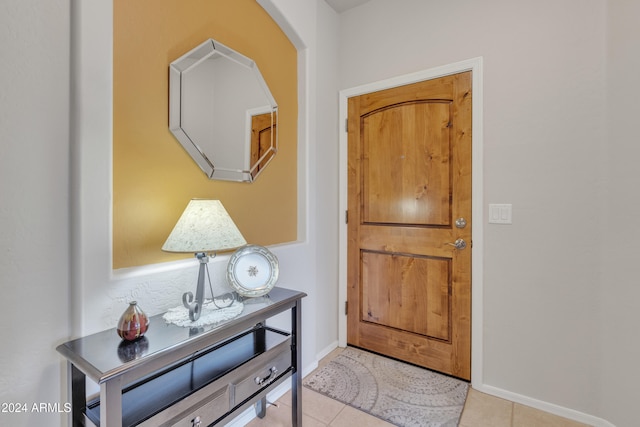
<point x="416" y="280"/>
<point x="405" y="150"/>
<point x="409" y="179"/>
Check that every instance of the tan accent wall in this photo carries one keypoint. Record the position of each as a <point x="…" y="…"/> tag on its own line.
<point x="153" y="177"/>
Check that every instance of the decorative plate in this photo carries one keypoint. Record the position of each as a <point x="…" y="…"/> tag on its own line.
<point x="252" y="271"/>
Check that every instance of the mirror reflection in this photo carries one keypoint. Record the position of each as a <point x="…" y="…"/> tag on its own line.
<point x="222" y="112"/>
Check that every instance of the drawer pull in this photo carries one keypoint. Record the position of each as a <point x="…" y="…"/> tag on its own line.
<point x="266" y="380"/>
<point x="196" y="422"/>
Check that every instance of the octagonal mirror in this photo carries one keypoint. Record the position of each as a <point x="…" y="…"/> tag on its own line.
<point x="222" y="112"/>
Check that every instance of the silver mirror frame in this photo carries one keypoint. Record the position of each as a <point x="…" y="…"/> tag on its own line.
<point x="178" y="69"/>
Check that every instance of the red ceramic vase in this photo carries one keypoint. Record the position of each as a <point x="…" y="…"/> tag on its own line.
<point x="133" y="323"/>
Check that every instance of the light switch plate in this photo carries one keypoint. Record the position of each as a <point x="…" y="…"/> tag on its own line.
<point x="500" y="213"/>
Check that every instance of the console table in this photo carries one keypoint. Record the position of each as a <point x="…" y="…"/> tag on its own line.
<point x="191" y="377"/>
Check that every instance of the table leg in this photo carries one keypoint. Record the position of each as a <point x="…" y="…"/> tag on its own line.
<point x="111" y="403"/>
<point x="78" y="394"/>
<point x="296" y="378"/>
<point x="261" y="407"/>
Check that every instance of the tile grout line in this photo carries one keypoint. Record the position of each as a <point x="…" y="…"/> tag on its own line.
<point x="335" y="417"/>
<point x="337" y="414"/>
<point x="513" y="409"/>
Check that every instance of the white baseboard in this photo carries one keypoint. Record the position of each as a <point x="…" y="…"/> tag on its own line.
<point x="308" y="369"/>
<point x="544" y="406"/>
<point x="325" y="352"/>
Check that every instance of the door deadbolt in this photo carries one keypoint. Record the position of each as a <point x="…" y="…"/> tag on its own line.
<point x="461" y="223"/>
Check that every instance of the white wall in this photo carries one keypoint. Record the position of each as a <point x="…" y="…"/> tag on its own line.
<point x="326" y="163"/>
<point x="620" y="287"/>
<point x="34" y="205"/>
<point x="312" y="26"/>
<point x="544" y="94"/>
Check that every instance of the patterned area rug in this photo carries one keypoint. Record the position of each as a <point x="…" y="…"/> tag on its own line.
<point x="401" y="394"/>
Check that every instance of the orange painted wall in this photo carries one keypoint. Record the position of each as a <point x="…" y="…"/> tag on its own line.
<point x="153" y="177"/>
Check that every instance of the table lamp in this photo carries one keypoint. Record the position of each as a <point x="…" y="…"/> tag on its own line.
<point x="204" y="227"/>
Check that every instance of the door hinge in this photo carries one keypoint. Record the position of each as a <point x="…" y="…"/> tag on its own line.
<point x="346" y="308"/>
<point x="346" y="125"/>
<point x="346" y="217"/>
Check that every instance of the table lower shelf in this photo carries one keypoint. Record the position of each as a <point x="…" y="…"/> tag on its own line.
<point x="209" y="385"/>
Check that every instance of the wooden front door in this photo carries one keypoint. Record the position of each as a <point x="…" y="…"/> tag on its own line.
<point x="409" y="201"/>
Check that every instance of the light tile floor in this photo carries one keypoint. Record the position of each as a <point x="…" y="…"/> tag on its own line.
<point x="480" y="410"/>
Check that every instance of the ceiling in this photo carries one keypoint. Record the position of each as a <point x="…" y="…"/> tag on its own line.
<point x="342" y="5"/>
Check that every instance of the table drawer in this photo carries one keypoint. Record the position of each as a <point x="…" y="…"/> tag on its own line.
<point x="208" y="411"/>
<point x="271" y="369"/>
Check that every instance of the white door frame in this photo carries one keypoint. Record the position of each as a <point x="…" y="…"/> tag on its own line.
<point x="475" y="66"/>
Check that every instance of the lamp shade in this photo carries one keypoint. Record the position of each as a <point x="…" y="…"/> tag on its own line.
<point x="204" y="226"/>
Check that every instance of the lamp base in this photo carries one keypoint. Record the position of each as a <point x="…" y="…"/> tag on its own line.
<point x="195" y="305"/>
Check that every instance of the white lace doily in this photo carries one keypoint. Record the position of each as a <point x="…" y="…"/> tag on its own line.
<point x="209" y="315"/>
